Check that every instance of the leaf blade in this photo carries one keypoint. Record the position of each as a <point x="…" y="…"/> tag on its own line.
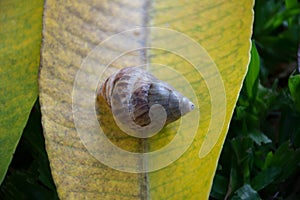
<point x="20" y="33"/>
<point x="63" y="44"/>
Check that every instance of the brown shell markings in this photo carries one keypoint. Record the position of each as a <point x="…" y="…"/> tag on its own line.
<point x="141" y="103"/>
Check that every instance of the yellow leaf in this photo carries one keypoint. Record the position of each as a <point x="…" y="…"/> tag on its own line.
<point x="20" y="41"/>
<point x="199" y="47"/>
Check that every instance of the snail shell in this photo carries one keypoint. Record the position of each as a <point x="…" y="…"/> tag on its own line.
<point x="142" y="104"/>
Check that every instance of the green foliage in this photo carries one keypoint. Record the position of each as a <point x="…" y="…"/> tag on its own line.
<point x="251" y="80"/>
<point x="294" y="86"/>
<point x="29" y="175"/>
<point x="261" y="154"/>
<point x="246" y="193"/>
<point x="276" y="32"/>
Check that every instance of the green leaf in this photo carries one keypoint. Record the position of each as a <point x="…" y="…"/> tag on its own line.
<point x="246" y="193"/>
<point x="294" y="86"/>
<point x="268" y="160"/>
<point x="291" y="3"/>
<point x="243" y="151"/>
<point x="20" y="41"/>
<point x="285" y="158"/>
<point x="219" y="188"/>
<point x="31" y="164"/>
<point x="279" y="18"/>
<point x="251" y="80"/>
<point x="265" y="177"/>
<point x="259" y="138"/>
<point x="289" y="124"/>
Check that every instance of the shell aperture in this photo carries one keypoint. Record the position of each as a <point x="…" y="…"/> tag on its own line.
<point x="142" y="104"/>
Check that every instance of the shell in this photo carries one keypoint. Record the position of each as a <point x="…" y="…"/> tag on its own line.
<point x="142" y="104"/>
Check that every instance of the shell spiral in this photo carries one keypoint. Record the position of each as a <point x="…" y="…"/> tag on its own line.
<point x="142" y="103"/>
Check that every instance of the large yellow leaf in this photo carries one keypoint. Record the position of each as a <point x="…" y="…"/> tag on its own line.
<point x="20" y="41"/>
<point x="199" y="47"/>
